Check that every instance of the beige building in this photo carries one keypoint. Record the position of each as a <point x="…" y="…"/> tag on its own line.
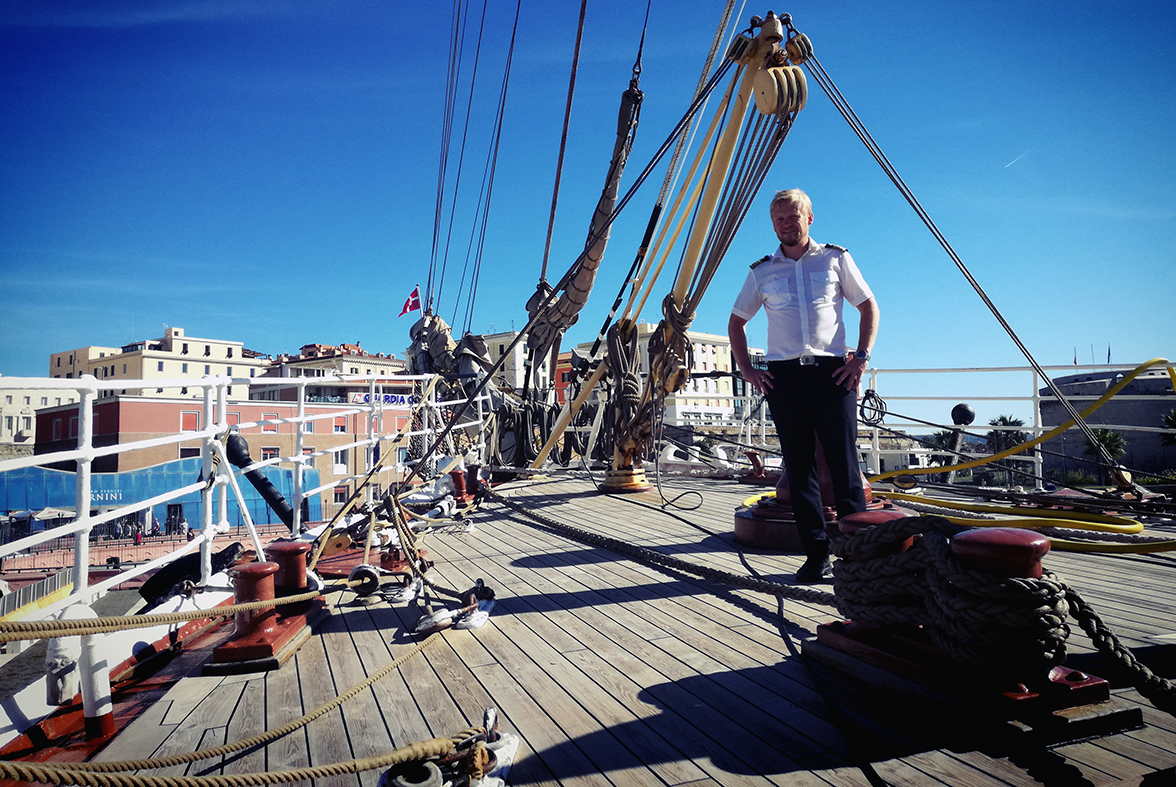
<point x="510" y="376"/>
<point x="705" y="400"/>
<point x="18" y="415"/>
<point x="172" y="357"/>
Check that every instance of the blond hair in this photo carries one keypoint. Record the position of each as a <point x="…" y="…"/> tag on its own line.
<point x="793" y="197"/>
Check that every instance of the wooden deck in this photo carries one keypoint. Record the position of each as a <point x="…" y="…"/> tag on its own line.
<point x="616" y="673"/>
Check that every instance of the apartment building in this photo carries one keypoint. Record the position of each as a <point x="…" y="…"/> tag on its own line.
<point x="174" y="356"/>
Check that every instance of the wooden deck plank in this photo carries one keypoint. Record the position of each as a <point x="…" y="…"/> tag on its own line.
<point x="248" y="720"/>
<point x="615" y="672"/>
<point x="283" y="704"/>
<point x="326" y="739"/>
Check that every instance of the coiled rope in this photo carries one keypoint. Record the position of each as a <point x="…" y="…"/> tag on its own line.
<point x="977" y="618"/>
<point x="889" y="579"/>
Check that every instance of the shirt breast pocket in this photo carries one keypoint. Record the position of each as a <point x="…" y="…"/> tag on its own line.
<point x="778" y="293"/>
<point x="823" y="286"/>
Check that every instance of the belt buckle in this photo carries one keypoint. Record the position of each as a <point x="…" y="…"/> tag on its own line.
<point x="808" y="360"/>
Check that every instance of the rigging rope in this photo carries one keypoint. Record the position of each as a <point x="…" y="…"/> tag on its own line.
<point x="855" y="123"/>
<point x="563" y="139"/>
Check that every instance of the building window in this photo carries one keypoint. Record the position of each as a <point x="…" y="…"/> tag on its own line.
<point x="44" y="401"/>
<point x="269" y="452"/>
<point x="207" y="369"/>
<point x="207" y="350"/>
<point x="269" y="427"/>
<point x="189" y="422"/>
<point x="309" y="454"/>
<point x="340" y="424"/>
<point x="159" y="366"/>
<point x="183" y="368"/>
<point x="27" y="422"/>
<point x="124" y="368"/>
<point x="189" y="452"/>
<point x="251" y="372"/>
<point x="230" y="354"/>
<point x="308" y="427"/>
<point x="8" y="399"/>
<point x="8" y="422"/>
<point x="58" y="402"/>
<point x="355" y="370"/>
<point x="340" y="462"/>
<point x="340" y="494"/>
<point x="229" y="371"/>
<point x="27" y="401"/>
<point x="57" y="426"/>
<point x="185" y="350"/>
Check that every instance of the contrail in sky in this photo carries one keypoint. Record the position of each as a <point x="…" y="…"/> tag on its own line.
<point x="1018" y="158"/>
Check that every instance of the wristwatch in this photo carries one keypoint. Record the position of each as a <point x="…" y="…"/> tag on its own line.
<point x="861" y="355"/>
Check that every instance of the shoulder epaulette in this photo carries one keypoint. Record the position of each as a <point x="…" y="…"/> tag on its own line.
<point x="761" y="260"/>
<point x="835" y="246"/>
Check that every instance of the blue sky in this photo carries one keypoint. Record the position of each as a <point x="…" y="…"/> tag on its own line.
<point x="267" y="172"/>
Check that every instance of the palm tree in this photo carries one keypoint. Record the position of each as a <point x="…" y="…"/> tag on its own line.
<point x="1112" y="442"/>
<point x="943" y="439"/>
<point x="1004" y="438"/>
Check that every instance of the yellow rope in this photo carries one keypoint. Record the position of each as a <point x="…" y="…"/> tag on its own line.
<point x="1035" y="441"/>
<point x="1104" y="523"/>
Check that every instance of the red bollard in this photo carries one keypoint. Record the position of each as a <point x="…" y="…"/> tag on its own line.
<point x="852" y="523"/>
<point x="254" y="582"/>
<point x="1006" y="551"/>
<point x="290" y="556"/>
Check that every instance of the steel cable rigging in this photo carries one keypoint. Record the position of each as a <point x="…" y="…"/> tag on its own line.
<point x="839" y="101"/>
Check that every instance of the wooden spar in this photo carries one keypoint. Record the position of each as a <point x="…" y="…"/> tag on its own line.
<point x="716" y="178"/>
<point x="565" y="416"/>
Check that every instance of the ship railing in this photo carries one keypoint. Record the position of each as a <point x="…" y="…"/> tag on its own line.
<point x="919" y="403"/>
<point x="218" y="478"/>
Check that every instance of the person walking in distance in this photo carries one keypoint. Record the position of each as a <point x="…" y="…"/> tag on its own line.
<point x="811" y="383"/>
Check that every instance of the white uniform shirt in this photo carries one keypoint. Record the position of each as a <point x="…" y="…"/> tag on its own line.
<point x="803" y="300"/>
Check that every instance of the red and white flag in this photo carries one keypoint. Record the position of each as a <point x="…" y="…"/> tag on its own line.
<point x="413" y="304"/>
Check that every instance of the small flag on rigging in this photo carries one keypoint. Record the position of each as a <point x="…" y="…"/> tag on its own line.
<point x="413" y="304"/>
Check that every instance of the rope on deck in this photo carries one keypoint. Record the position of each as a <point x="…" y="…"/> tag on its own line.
<point x="11" y="631"/>
<point x="261" y="738"/>
<point x="654" y="558"/>
<point x="53" y="774"/>
<point x="972" y="615"/>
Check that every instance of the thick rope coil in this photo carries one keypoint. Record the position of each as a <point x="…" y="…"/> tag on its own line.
<point x="651" y="557"/>
<point x="982" y="619"/>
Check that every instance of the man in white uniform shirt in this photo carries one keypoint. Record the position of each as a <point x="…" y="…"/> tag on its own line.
<point x="811" y="382"/>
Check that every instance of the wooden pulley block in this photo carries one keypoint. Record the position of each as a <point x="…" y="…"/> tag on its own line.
<point x="801" y="84"/>
<point x="768" y="95"/>
<point x="799" y="48"/>
<point x="336" y="544"/>
<point x="787" y="87"/>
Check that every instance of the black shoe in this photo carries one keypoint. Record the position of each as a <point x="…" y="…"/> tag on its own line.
<point x="814" y="570"/>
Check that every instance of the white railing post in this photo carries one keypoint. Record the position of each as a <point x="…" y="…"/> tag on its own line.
<point x="299" y="463"/>
<point x="373" y="440"/>
<point x="81" y="567"/>
<point x="222" y="423"/>
<point x="1038" y="430"/>
<point x="206" y="473"/>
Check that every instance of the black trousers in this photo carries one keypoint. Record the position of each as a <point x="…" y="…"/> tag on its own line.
<point x="806" y="405"/>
